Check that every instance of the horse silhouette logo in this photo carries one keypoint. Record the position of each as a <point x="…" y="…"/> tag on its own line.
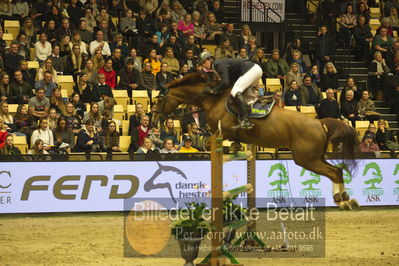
<point x="5" y="184"/>
<point x="151" y="183"/>
<point x="282" y="173"/>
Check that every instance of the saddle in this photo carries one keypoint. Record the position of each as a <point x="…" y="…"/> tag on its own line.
<point x="261" y="106"/>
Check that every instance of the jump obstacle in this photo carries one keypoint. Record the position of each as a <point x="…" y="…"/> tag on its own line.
<point x="219" y="253"/>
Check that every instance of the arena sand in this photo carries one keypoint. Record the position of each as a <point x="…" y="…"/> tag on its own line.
<point x="369" y="236"/>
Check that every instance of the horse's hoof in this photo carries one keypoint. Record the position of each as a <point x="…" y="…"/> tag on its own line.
<point x="354" y="203"/>
<point x="337" y="198"/>
<point x="344" y="205"/>
<point x="345" y="196"/>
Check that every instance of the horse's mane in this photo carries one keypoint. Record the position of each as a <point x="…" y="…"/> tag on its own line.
<point x="189" y="79"/>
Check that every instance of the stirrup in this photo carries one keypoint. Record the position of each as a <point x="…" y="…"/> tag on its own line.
<point x="243" y="124"/>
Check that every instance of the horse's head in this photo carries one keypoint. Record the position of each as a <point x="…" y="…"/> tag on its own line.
<point x="186" y="90"/>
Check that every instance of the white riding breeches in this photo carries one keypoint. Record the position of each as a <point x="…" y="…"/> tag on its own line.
<point x="250" y="78"/>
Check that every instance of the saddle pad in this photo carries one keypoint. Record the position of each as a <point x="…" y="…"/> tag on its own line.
<point x="260" y="110"/>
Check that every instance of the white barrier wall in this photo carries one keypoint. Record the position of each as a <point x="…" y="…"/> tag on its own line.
<point x="103" y="186"/>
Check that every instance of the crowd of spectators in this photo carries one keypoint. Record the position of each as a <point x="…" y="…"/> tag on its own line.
<point x="143" y="45"/>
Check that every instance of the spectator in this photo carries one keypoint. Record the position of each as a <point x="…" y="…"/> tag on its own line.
<point x="76" y="40"/>
<point x="24" y="46"/>
<point x="217" y="10"/>
<point x="20" y="10"/>
<point x="12" y="59"/>
<point x="90" y="20"/>
<point x="86" y="36"/>
<point x="23" y="122"/>
<point x="243" y="54"/>
<point x="177" y="13"/>
<point x="82" y="85"/>
<point x="21" y="90"/>
<point x="155" y="63"/>
<point x="99" y="43"/>
<point x="54" y="15"/>
<point x="111" y="138"/>
<point x="6" y="117"/>
<point x="329" y="12"/>
<point x="213" y="29"/>
<point x="169" y="132"/>
<point x="136" y="60"/>
<point x="231" y="36"/>
<point x="277" y="97"/>
<point x="367" y="145"/>
<point x="163" y="77"/>
<point x="50" y="30"/>
<point x="43" y="133"/>
<point x="5" y="90"/>
<point x="378" y="73"/>
<point x="47" y="67"/>
<point x="88" y="139"/>
<point x="385" y="138"/>
<point x="177" y="33"/>
<point x="224" y="50"/>
<point x="329" y="78"/>
<point x="202" y="7"/>
<point x="199" y="29"/>
<point x="47" y="84"/>
<point x="3" y="133"/>
<point x="363" y="38"/>
<point x="277" y="67"/>
<point x="38" y="151"/>
<point x="190" y="44"/>
<point x="103" y="26"/>
<point x="194" y="116"/>
<point x="323" y="47"/>
<point x="145" y="27"/>
<point x="172" y="62"/>
<point x="59" y="62"/>
<point x="42" y="48"/>
<point x="104" y="16"/>
<point x="189" y="60"/>
<point x="52" y="118"/>
<point x="94" y="116"/>
<point x="79" y="106"/>
<point x="184" y="70"/>
<point x="65" y="49"/>
<point x="293" y="74"/>
<point x="393" y="19"/>
<point x="315" y="75"/>
<point x="351" y="85"/>
<point x="293" y="95"/>
<point x="98" y="60"/>
<point x="187" y="145"/>
<point x="363" y="11"/>
<point x="295" y="45"/>
<point x="186" y="26"/>
<point x="168" y="146"/>
<point x="175" y="45"/>
<point x="148" y="6"/>
<point x="134" y="119"/>
<point x="149" y="83"/>
<point x="367" y="108"/>
<point x="74" y="122"/>
<point x="129" y="28"/>
<point x="147" y="147"/>
<point x="383" y="43"/>
<point x="75" y="11"/>
<point x="117" y="60"/>
<point x="64" y="30"/>
<point x="311" y="94"/>
<point x="385" y="23"/>
<point x="9" y="149"/>
<point x="251" y="46"/>
<point x="348" y="23"/>
<point x="329" y="107"/>
<point x="349" y="107"/>
<point x="119" y="44"/>
<point x="28" y="74"/>
<point x="244" y="36"/>
<point x="109" y="74"/>
<point x="64" y="138"/>
<point x="139" y="133"/>
<point x="76" y="61"/>
<point x="57" y="102"/>
<point x="30" y="31"/>
<point x="155" y="137"/>
<point x="39" y="104"/>
<point x="371" y="130"/>
<point x="107" y="105"/>
<point x="130" y="77"/>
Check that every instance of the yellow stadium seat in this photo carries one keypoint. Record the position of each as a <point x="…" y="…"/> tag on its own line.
<point x="33" y="64"/>
<point x="64" y="93"/>
<point x="309" y="111"/>
<point x="32" y="53"/>
<point x="66" y="83"/>
<point x="374" y="24"/>
<point x="121" y="98"/>
<point x="20" y="143"/>
<point x="124" y="143"/>
<point x="324" y="95"/>
<point x="12" y="108"/>
<point x="131" y="109"/>
<point x="154" y="95"/>
<point x="11" y="26"/>
<point x="211" y="48"/>
<point x="273" y="84"/>
<point x="140" y="96"/>
<point x="361" y="128"/>
<point x="119" y="113"/>
<point x="292" y="108"/>
<point x="115" y="21"/>
<point x="177" y="126"/>
<point x="375" y="12"/>
<point x="8" y="37"/>
<point x="125" y="127"/>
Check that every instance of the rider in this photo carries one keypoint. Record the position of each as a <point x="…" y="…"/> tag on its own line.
<point x="243" y="73"/>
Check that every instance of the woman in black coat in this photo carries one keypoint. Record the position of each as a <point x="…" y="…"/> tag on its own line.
<point x="349" y="107"/>
<point x="329" y="78"/>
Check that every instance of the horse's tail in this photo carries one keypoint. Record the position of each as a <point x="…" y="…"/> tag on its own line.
<point x="344" y="136"/>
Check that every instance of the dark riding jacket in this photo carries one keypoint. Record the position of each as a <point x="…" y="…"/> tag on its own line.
<point x="230" y="70"/>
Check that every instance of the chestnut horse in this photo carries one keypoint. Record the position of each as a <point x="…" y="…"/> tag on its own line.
<point x="306" y="137"/>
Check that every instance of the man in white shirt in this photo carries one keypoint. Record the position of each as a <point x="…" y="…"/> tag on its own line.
<point x="42" y="48"/>
<point x="98" y="43"/>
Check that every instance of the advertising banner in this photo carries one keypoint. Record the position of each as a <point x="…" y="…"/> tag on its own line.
<point x="259" y="8"/>
<point x="103" y="186"/>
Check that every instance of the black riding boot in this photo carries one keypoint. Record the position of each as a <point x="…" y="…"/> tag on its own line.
<point x="243" y="112"/>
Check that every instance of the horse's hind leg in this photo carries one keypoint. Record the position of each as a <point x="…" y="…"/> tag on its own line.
<point x="321" y="167"/>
